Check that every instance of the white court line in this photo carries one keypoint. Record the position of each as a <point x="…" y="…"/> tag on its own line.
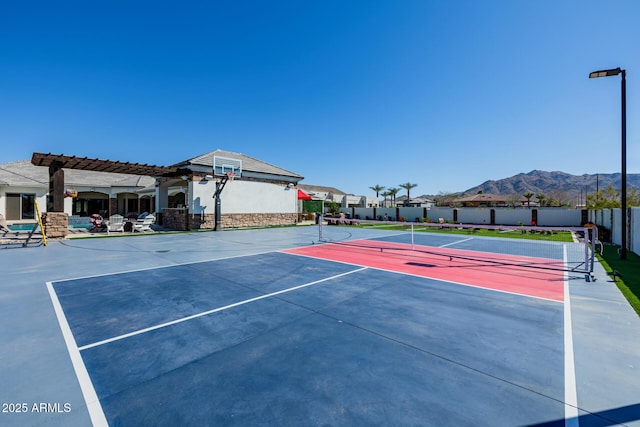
<point x="215" y="310"/>
<point x="158" y="267"/>
<point x="456" y="242"/>
<point x="570" y="392"/>
<point x="88" y="392"/>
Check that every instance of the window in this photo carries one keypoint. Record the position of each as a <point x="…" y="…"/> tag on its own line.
<point x="20" y="206"/>
<point x="28" y="206"/>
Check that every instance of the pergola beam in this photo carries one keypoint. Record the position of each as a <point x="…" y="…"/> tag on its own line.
<point x="99" y="165"/>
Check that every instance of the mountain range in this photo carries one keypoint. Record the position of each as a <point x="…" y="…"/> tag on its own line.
<point x="575" y="187"/>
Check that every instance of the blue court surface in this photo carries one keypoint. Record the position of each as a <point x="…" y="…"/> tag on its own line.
<point x="231" y="329"/>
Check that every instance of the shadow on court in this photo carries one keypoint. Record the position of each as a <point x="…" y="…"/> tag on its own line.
<point x="609" y="417"/>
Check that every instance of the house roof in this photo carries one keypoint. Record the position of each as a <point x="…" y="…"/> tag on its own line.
<point x="249" y="164"/>
<point x="82" y="171"/>
<point x="320" y="189"/>
<point x="418" y="200"/>
<point x="25" y="174"/>
<point x="484" y="198"/>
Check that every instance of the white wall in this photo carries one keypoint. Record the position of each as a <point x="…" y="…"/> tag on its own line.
<point x="611" y="220"/>
<point x="372" y="201"/>
<point x="362" y="213"/>
<point x="351" y="200"/>
<point x="616" y="229"/>
<point x="474" y="216"/>
<point x="411" y="213"/>
<point x="41" y="197"/>
<point x="635" y="230"/>
<point x="445" y="213"/>
<point x="503" y="216"/>
<point x="243" y="197"/>
<point x="559" y="217"/>
<point x="510" y="216"/>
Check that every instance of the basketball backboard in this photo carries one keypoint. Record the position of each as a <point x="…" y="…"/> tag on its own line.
<point x="222" y="165"/>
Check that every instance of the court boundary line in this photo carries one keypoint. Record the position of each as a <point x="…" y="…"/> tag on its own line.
<point x="216" y="310"/>
<point x="92" y="402"/>
<point x="82" y="371"/>
<point x="456" y="242"/>
<point x="428" y="278"/>
<point x="137" y="270"/>
<point x="571" y="416"/>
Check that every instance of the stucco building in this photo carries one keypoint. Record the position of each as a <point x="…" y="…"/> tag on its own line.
<point x="262" y="195"/>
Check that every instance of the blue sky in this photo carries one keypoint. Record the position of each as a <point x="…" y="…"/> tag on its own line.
<point x="445" y="95"/>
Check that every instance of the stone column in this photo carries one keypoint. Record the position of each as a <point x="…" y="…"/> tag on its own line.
<point x="113" y="206"/>
<point x="56" y="225"/>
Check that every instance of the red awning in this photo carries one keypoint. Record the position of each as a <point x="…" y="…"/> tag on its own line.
<point x="303" y="196"/>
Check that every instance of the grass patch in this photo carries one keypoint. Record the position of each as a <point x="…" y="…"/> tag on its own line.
<point x="629" y="284"/>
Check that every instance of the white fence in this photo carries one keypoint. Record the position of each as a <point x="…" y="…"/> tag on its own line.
<point x="496" y="216"/>
<point x="611" y="220"/>
<point x="559" y="217"/>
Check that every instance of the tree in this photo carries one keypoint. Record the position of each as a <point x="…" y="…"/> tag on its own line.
<point x="408" y="186"/>
<point x="633" y="197"/>
<point x="445" y="199"/>
<point x="377" y="188"/>
<point x="528" y="196"/>
<point x="392" y="193"/>
<point x="513" y="200"/>
<point x="541" y="199"/>
<point x="610" y="198"/>
<point x="334" y="208"/>
<point x="385" y="194"/>
<point x="560" y="198"/>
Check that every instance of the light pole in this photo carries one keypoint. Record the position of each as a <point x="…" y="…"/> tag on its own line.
<point x="607" y="73"/>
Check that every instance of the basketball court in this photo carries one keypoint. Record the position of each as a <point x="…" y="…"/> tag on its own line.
<point x="279" y="327"/>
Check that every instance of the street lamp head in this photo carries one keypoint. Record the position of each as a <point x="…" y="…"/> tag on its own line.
<point x="605" y="73"/>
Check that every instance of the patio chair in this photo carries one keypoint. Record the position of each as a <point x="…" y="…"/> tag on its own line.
<point x="115" y="223"/>
<point x="144" y="224"/>
<point x="3" y="225"/>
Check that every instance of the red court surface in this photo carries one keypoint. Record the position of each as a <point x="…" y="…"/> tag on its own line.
<point x="488" y="272"/>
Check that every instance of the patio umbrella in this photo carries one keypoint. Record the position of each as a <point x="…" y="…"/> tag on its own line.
<point x="303" y="196"/>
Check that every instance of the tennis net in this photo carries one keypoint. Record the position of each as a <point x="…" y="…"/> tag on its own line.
<point x="568" y="249"/>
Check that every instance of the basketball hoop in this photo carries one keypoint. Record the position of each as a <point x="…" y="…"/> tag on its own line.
<point x="231" y="175"/>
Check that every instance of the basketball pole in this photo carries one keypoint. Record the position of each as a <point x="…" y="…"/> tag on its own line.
<point x="218" y="212"/>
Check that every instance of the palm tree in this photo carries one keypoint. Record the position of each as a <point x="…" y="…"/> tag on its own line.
<point x="377" y="188"/>
<point x="385" y="194"/>
<point x="541" y="198"/>
<point x="528" y="196"/>
<point x="392" y="193"/>
<point x="408" y="186"/>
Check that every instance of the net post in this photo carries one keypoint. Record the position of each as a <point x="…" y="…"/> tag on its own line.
<point x="412" y="243"/>
<point x="320" y="229"/>
<point x="594" y="241"/>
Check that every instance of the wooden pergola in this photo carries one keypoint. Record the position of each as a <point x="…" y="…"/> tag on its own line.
<point x="58" y="162"/>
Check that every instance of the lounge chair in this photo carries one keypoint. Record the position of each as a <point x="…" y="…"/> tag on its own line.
<point x="143" y="225"/>
<point x="3" y="225"/>
<point x="115" y="223"/>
